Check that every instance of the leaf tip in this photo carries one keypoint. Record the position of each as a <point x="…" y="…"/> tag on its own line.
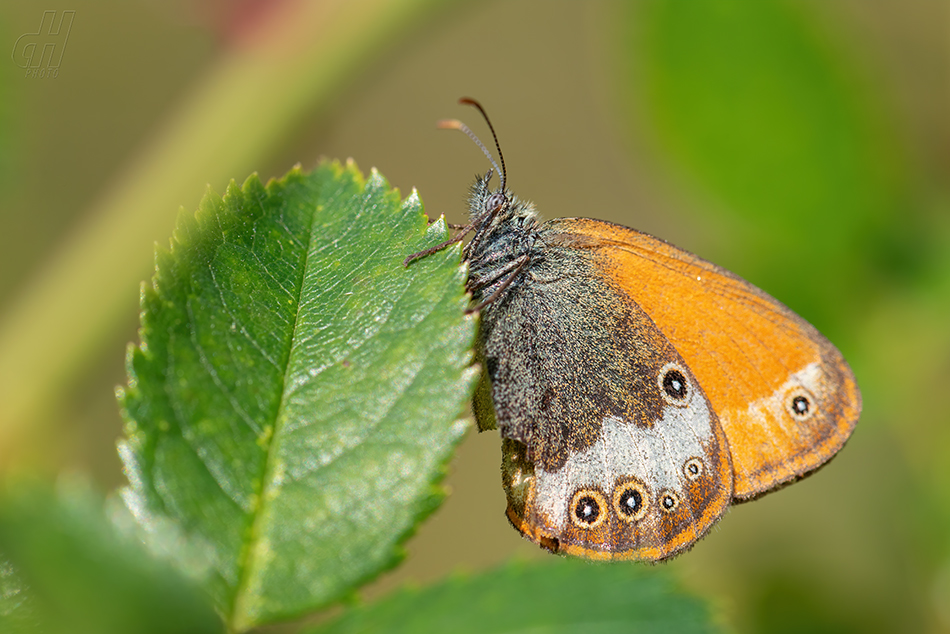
<point x="251" y="183"/>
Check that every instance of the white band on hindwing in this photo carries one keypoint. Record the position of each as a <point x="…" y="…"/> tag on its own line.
<point x="657" y="456"/>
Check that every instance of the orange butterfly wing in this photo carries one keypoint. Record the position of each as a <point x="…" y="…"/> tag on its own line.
<point x="785" y="396"/>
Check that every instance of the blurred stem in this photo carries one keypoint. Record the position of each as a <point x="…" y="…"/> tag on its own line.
<point x="245" y="105"/>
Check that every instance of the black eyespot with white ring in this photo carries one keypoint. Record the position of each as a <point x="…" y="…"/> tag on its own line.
<point x="588" y="509"/>
<point x="631" y="500"/>
<point x="674" y="385"/>
<point x="669" y="501"/>
<point x="693" y="469"/>
<point x="800" y="404"/>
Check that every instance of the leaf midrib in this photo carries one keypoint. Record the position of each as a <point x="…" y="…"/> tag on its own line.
<point x="236" y="620"/>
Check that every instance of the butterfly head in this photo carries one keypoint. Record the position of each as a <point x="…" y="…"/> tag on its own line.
<point x="504" y="227"/>
<point x="489" y="207"/>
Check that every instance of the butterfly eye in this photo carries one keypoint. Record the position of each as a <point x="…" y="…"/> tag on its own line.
<point x="669" y="501"/>
<point x="674" y="386"/>
<point x="495" y="201"/>
<point x="693" y="468"/>
<point x="800" y="403"/>
<point x="588" y="509"/>
<point x="630" y="501"/>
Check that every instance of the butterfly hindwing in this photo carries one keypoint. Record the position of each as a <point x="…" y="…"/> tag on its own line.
<point x="611" y="448"/>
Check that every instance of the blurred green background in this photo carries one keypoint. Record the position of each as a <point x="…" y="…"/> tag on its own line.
<point x="802" y="144"/>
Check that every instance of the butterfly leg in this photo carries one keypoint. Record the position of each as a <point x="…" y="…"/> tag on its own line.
<point x="512" y="270"/>
<point x="452" y="226"/>
<point x="421" y="254"/>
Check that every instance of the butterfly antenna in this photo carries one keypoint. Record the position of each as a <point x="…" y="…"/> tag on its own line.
<point x="455" y="124"/>
<point x="501" y="157"/>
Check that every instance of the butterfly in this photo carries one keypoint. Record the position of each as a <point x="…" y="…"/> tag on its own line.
<point x="639" y="390"/>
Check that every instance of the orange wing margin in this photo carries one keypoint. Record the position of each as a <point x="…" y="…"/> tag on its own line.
<point x="751" y="354"/>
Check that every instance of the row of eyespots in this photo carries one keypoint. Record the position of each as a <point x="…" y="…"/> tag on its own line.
<point x="675" y="390"/>
<point x="630" y="499"/>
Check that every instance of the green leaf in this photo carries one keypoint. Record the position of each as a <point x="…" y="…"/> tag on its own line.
<point x="294" y="398"/>
<point x="65" y="569"/>
<point x="19" y="612"/>
<point x="558" y="596"/>
<point x="755" y="104"/>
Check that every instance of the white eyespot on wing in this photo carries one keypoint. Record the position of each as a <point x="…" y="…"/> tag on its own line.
<point x="655" y="455"/>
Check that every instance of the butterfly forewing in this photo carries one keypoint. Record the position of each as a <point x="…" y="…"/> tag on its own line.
<point x="785" y="397"/>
